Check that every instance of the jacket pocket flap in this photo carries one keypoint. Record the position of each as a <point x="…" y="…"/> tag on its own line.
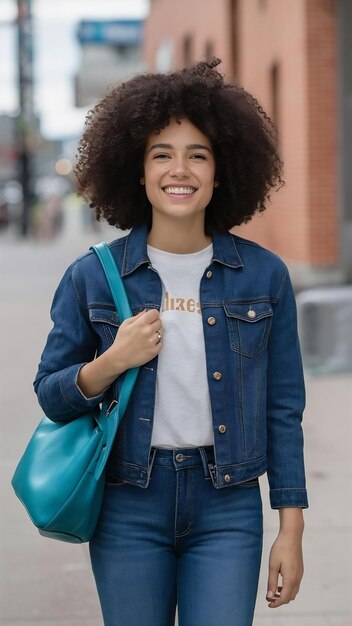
<point x="106" y="316"/>
<point x="249" y="312"/>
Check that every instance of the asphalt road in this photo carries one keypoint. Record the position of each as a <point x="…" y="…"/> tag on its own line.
<point x="49" y="583"/>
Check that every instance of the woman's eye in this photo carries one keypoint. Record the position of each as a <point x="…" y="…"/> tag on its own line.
<point x="161" y="156"/>
<point x="199" y="156"/>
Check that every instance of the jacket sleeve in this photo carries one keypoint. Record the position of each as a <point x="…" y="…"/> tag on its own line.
<point x="285" y="405"/>
<point x="70" y="344"/>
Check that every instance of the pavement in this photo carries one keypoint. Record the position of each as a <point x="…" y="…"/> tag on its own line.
<point x="49" y="583"/>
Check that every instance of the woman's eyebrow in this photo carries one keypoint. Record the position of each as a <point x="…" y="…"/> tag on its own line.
<point x="169" y="146"/>
<point x="165" y="146"/>
<point x="198" y="146"/>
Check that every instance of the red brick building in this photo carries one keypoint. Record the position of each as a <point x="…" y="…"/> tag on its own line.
<point x="295" y="57"/>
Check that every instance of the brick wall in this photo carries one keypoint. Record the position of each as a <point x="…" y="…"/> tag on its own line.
<point x="286" y="57"/>
<point x="322" y="129"/>
<point x="202" y="21"/>
<point x="299" y="36"/>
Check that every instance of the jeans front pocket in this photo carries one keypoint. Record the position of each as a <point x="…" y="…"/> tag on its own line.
<point x="114" y="481"/>
<point x="249" y="326"/>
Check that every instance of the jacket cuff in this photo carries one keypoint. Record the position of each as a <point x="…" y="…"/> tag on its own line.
<point x="72" y="393"/>
<point x="280" y="498"/>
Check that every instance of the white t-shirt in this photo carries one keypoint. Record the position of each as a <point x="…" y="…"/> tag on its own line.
<point x="182" y="415"/>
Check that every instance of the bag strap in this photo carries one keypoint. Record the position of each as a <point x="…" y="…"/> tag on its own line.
<point x="123" y="308"/>
<point x="114" y="279"/>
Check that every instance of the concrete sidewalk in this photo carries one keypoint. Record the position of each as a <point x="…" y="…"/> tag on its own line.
<point x="325" y="595"/>
<point x="49" y="583"/>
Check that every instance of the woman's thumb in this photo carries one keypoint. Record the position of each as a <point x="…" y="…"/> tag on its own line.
<point x="272" y="584"/>
<point x="130" y="320"/>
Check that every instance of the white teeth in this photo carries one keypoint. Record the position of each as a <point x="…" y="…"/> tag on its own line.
<point x="179" y="190"/>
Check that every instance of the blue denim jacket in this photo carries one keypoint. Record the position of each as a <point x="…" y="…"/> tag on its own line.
<point x="250" y="331"/>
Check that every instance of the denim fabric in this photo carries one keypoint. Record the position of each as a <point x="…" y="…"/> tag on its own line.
<point x="179" y="541"/>
<point x="250" y="332"/>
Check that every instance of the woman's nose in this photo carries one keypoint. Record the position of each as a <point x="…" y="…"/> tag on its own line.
<point x="179" y="167"/>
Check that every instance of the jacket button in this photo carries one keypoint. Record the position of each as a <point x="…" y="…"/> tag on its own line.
<point x="252" y="314"/>
<point x="211" y="321"/>
<point x="222" y="428"/>
<point x="179" y="457"/>
<point x="217" y="375"/>
<point x="227" y="478"/>
<point x="209" y="274"/>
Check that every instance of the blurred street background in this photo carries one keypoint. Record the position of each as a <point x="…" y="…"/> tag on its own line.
<point x="57" y="60"/>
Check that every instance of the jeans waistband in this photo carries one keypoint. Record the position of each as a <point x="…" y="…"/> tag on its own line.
<point x="182" y="458"/>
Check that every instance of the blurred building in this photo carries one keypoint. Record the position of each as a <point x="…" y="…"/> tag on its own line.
<point x="8" y="148"/>
<point x="295" y="57"/>
<point x="111" y="52"/>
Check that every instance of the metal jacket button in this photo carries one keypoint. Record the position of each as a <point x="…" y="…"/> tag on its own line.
<point x="211" y="321"/>
<point x="209" y="274"/>
<point x="179" y="457"/>
<point x="252" y="314"/>
<point x="217" y="375"/>
<point x="227" y="478"/>
<point x="222" y="428"/>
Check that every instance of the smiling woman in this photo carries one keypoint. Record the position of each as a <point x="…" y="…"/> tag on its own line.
<point x="218" y="401"/>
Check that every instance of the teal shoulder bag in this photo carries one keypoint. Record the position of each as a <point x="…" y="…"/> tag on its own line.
<point x="60" y="477"/>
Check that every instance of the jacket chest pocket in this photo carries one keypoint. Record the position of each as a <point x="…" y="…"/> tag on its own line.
<point x="105" y="323"/>
<point x="249" y="326"/>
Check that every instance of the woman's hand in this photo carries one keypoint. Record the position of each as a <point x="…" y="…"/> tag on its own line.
<point x="136" y="342"/>
<point x="286" y="559"/>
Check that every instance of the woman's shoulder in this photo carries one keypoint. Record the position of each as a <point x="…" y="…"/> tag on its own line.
<point x="88" y="261"/>
<point x="264" y="266"/>
<point x="254" y="251"/>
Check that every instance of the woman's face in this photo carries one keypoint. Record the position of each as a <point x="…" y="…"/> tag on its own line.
<point x="179" y="170"/>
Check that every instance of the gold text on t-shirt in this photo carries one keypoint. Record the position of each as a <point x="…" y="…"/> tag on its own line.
<point x="188" y="305"/>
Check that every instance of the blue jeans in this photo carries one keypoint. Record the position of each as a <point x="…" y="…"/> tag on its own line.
<point x="179" y="542"/>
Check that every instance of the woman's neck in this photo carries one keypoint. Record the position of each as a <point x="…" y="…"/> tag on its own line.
<point x="182" y="239"/>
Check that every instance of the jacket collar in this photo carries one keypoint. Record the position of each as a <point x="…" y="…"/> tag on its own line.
<point x="135" y="252"/>
<point x="225" y="250"/>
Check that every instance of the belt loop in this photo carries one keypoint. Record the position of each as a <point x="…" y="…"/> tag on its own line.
<point x="204" y="458"/>
<point x="152" y="454"/>
<point x="209" y="468"/>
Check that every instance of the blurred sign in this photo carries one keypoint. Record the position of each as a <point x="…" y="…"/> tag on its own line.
<point x="113" y="32"/>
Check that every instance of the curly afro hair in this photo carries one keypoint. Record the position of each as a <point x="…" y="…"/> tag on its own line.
<point x="244" y="140"/>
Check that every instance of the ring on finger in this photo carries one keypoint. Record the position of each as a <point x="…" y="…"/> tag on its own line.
<point x="159" y="336"/>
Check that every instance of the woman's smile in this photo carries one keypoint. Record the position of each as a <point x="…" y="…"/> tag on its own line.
<point x="179" y="192"/>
